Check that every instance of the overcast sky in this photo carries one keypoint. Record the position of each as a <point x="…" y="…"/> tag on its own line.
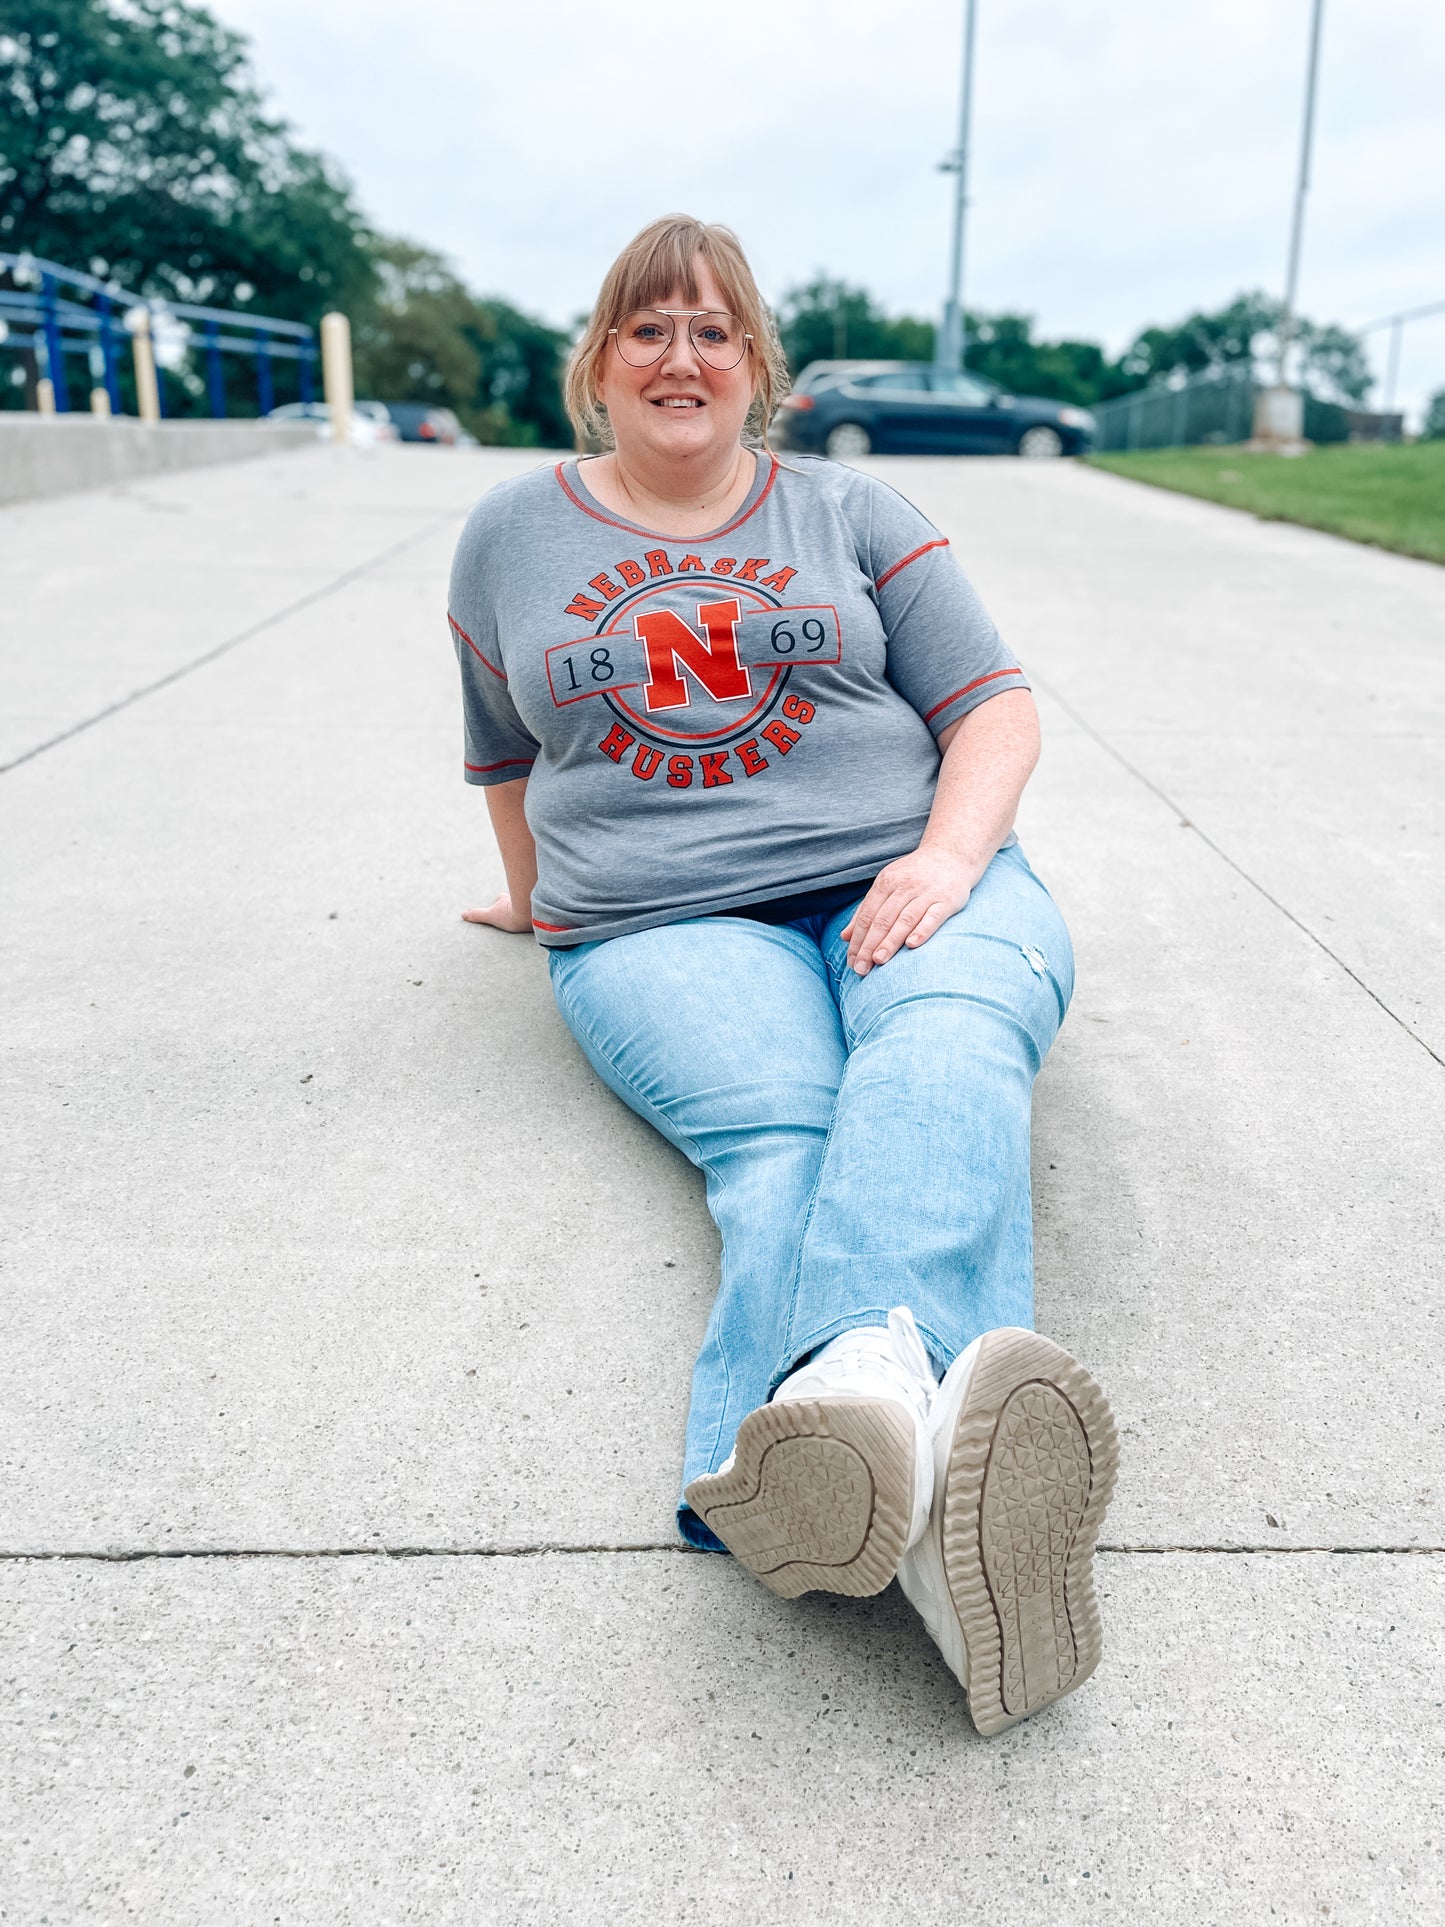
<point x="1132" y="159"/>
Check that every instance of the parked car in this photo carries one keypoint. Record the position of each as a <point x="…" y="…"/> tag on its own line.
<point x="847" y="409"/>
<point x="368" y="428"/>
<point x="419" y="421"/>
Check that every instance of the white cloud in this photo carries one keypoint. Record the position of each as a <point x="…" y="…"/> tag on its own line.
<point x="1133" y="159"/>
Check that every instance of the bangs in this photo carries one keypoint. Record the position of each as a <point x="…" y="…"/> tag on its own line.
<point x="646" y="280"/>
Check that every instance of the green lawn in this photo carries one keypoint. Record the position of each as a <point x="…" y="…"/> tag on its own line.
<point x="1393" y="496"/>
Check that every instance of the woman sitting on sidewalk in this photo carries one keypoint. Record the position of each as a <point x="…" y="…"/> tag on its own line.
<point x="753" y="750"/>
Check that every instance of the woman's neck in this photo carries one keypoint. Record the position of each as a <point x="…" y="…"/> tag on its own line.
<point x="674" y="501"/>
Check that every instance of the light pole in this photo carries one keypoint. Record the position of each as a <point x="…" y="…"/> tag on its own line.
<point x="1396" y="324"/>
<point x="1286" y="325"/>
<point x="951" y="341"/>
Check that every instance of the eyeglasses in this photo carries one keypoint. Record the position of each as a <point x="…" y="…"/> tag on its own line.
<point x="646" y="335"/>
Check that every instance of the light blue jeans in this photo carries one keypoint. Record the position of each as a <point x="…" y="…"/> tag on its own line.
<point x="865" y="1140"/>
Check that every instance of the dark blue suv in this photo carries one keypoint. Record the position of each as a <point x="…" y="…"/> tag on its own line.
<point x="846" y="409"/>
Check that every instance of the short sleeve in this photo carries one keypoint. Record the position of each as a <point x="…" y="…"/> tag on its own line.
<point x="945" y="656"/>
<point x="498" y="747"/>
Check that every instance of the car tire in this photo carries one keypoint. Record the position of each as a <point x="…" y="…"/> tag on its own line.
<point x="1041" y="443"/>
<point x="848" y="441"/>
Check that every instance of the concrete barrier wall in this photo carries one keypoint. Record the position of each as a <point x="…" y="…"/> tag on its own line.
<point x="57" y="454"/>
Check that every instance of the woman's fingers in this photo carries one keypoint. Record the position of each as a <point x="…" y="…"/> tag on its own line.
<point x="497" y="913"/>
<point x="910" y="918"/>
<point x="872" y="917"/>
<point x="932" y="919"/>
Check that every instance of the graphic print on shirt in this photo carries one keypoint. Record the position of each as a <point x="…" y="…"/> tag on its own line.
<point x="694" y="658"/>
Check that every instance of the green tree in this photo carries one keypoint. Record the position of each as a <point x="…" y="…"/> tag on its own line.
<point x="827" y="320"/>
<point x="426" y="337"/>
<point x="133" y="143"/>
<point x="1332" y="362"/>
<point x="1002" y="349"/>
<point x="1434" y="430"/>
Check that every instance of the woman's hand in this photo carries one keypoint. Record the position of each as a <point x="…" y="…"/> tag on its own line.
<point x="987" y="758"/>
<point x="909" y="900"/>
<point x="500" y="915"/>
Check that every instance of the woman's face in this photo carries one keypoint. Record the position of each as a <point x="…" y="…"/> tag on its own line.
<point x="679" y="408"/>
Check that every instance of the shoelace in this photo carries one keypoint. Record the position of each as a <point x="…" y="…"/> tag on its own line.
<point x="897" y="1356"/>
<point x="911" y="1350"/>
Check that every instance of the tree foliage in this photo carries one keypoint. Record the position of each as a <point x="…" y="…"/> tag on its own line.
<point x="829" y="320"/>
<point x="133" y="143"/>
<point x="1331" y="361"/>
<point x="426" y="337"/>
<point x="1434" y="430"/>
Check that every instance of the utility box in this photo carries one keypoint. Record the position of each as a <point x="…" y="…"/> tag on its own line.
<point x="1279" y="418"/>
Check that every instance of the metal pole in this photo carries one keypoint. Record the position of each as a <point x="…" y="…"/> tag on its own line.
<point x="265" y="392"/>
<point x="215" y="376"/>
<point x="952" y="342"/>
<point x="54" y="349"/>
<point x="1286" y="326"/>
<point x="108" y="354"/>
<point x="1396" y="331"/>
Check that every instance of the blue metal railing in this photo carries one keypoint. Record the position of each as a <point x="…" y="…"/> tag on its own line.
<point x="55" y="313"/>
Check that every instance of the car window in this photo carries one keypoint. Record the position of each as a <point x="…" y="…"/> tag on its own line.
<point x="896" y="381"/>
<point x="961" y="387"/>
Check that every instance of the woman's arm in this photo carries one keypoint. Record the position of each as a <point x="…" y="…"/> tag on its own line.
<point x="513" y="909"/>
<point x="988" y="756"/>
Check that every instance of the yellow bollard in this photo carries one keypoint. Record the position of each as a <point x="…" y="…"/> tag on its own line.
<point x="147" y="390"/>
<point x="100" y="403"/>
<point x="45" y="395"/>
<point x="336" y="373"/>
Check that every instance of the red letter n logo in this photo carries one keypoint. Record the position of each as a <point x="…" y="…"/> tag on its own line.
<point x="712" y="656"/>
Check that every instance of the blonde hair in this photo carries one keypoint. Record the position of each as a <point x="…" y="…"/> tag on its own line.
<point x="663" y="257"/>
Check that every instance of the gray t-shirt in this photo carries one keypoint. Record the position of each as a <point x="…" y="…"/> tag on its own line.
<point x="711" y="722"/>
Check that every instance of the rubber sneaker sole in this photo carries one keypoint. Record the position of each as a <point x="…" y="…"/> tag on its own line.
<point x="818" y="1497"/>
<point x="1030" y="1471"/>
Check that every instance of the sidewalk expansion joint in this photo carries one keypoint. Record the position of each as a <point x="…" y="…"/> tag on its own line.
<point x="306" y="601"/>
<point x="547" y="1549"/>
<point x="1188" y="823"/>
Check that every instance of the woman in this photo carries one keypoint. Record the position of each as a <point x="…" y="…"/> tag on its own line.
<point x="752" y="751"/>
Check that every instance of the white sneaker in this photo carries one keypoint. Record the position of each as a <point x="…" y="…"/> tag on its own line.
<point x="1024" y="1458"/>
<point x="831" y="1481"/>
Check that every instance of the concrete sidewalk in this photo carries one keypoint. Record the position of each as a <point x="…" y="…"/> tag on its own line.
<point x="349" y="1319"/>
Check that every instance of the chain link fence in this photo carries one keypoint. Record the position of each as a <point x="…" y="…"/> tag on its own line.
<point x="1217" y="406"/>
<point x="1214" y="406"/>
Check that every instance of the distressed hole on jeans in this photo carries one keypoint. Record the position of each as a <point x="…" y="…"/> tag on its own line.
<point x="1034" y="959"/>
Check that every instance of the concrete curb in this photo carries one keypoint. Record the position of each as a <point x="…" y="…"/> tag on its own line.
<point x="43" y="455"/>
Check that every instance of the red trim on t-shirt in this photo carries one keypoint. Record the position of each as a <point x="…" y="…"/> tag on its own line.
<point x="508" y="762"/>
<point x="888" y="574"/>
<point x="969" y="687"/>
<point x="713" y="536"/>
<point x="500" y="674"/>
<point x="554" y="928"/>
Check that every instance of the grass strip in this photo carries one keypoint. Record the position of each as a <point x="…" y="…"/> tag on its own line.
<point x="1392" y="496"/>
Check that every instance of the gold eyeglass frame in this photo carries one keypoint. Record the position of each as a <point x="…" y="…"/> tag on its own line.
<point x="674" y="315"/>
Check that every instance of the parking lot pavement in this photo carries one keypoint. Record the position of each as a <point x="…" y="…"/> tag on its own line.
<point x="349" y="1319"/>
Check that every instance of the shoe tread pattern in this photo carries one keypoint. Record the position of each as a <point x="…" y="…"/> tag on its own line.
<point x="1031" y="1471"/>
<point x="818" y="1498"/>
